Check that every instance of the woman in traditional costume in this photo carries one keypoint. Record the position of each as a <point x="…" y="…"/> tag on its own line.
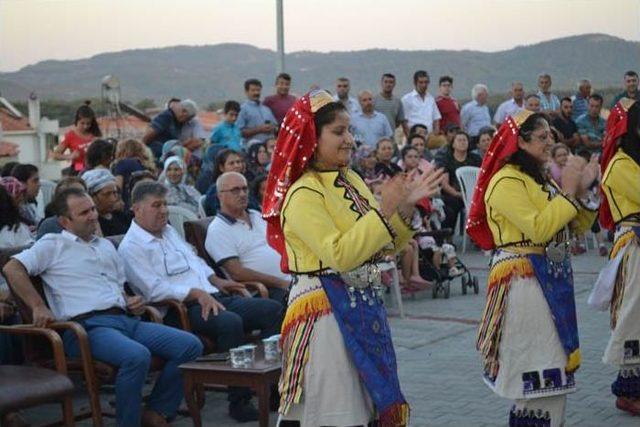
<point x="528" y="335"/>
<point x="620" y="165"/>
<point x="339" y="365"/>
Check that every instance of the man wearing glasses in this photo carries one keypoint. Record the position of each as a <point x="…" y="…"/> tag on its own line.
<point x="236" y="239"/>
<point x="159" y="265"/>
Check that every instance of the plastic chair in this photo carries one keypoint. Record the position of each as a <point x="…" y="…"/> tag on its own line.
<point x="467" y="177"/>
<point x="201" y="211"/>
<point x="178" y="216"/>
<point x="45" y="195"/>
<point x="395" y="284"/>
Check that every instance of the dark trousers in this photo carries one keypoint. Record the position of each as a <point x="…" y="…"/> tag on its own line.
<point x="228" y="328"/>
<point x="452" y="208"/>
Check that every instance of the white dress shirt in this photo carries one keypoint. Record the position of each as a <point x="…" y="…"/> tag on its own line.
<point x="419" y="110"/>
<point x="162" y="268"/>
<point x="229" y="238"/>
<point x="351" y="103"/>
<point x="79" y="276"/>
<point x="507" y="108"/>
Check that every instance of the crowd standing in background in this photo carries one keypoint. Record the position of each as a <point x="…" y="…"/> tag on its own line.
<point x="223" y="175"/>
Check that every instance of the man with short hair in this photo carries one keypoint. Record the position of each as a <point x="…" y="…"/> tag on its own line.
<point x="475" y="113"/>
<point x="169" y="124"/>
<point x="227" y="134"/>
<point x="101" y="185"/>
<point x="548" y="101"/>
<point x="159" y="264"/>
<point x="236" y="239"/>
<point x="581" y="99"/>
<point x="447" y="105"/>
<point x="420" y="108"/>
<point x="390" y="105"/>
<point x="532" y="103"/>
<point x="510" y="106"/>
<point x="591" y="126"/>
<point x="255" y="121"/>
<point x="343" y="85"/>
<point x="84" y="280"/>
<point x="630" y="88"/>
<point x="564" y="124"/>
<point x="368" y="126"/>
<point x="281" y="101"/>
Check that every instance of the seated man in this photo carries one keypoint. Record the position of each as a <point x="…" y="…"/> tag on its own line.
<point x="84" y="281"/>
<point x="101" y="185"/>
<point x="159" y="265"/>
<point x="236" y="239"/>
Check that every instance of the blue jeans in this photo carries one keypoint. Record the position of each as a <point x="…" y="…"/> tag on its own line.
<point x="128" y="343"/>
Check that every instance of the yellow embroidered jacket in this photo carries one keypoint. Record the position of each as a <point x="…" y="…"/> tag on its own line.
<point x="521" y="212"/>
<point x="621" y="185"/>
<point x="324" y="230"/>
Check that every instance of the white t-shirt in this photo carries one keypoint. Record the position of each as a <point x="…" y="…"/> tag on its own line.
<point x="419" y="110"/>
<point x="229" y="238"/>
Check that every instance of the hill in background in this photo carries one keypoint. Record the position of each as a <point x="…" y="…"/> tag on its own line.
<point x="217" y="72"/>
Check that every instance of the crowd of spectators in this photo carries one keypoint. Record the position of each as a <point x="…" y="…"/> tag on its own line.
<point x="130" y="185"/>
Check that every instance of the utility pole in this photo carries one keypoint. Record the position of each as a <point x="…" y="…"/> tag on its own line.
<point x="280" y="37"/>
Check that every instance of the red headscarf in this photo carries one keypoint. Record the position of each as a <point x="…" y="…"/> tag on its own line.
<point x="616" y="127"/>
<point x="503" y="145"/>
<point x="294" y="149"/>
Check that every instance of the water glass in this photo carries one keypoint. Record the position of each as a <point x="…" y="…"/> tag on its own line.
<point x="271" y="348"/>
<point x="249" y="353"/>
<point x="237" y="357"/>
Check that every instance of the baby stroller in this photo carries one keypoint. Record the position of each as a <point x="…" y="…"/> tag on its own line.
<point x="440" y="274"/>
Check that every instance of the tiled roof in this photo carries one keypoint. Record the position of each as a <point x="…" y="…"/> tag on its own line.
<point x="11" y="122"/>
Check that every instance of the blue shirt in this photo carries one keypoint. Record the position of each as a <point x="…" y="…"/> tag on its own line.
<point x="253" y="114"/>
<point x="548" y="104"/>
<point x="595" y="132"/>
<point x="166" y="126"/>
<point x="580" y="106"/>
<point x="368" y="129"/>
<point x="474" y="117"/>
<point x="227" y="135"/>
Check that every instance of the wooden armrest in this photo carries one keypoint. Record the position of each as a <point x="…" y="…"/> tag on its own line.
<point x="51" y="335"/>
<point x="180" y="308"/>
<point x="264" y="292"/>
<point x="153" y="313"/>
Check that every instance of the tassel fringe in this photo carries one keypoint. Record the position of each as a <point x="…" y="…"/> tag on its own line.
<point x="397" y="415"/>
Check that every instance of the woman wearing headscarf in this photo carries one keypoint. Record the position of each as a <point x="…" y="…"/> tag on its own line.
<point x="330" y="233"/>
<point x="528" y="334"/>
<point x="620" y="167"/>
<point x="179" y="194"/>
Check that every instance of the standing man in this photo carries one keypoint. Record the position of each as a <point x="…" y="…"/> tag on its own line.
<point x="342" y="95"/>
<point x="420" y="108"/>
<point x="390" y="105"/>
<point x="475" y="113"/>
<point x="369" y="125"/>
<point x="227" y="134"/>
<point x="447" y="105"/>
<point x="83" y="280"/>
<point x="591" y="126"/>
<point x="255" y="120"/>
<point x="510" y="106"/>
<point x="548" y="101"/>
<point x="630" y="88"/>
<point x="281" y="101"/>
<point x="566" y="127"/>
<point x="581" y="99"/>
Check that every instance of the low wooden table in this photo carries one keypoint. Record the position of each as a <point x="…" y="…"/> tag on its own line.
<point x="259" y="377"/>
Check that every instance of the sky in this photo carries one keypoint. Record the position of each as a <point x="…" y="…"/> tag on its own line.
<point x="36" y="30"/>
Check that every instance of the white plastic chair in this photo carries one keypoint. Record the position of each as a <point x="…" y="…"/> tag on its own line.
<point x="467" y="177"/>
<point x="178" y="216"/>
<point x="201" y="211"/>
<point x="45" y="195"/>
<point x="395" y="284"/>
